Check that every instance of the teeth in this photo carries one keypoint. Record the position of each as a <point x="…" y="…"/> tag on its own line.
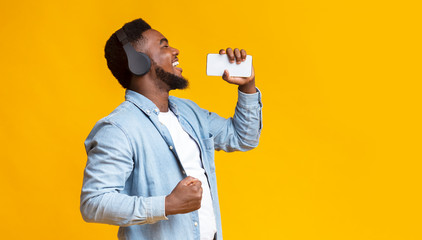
<point x="175" y="64"/>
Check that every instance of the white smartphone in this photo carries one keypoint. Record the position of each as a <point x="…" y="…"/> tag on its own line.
<point x="216" y="64"/>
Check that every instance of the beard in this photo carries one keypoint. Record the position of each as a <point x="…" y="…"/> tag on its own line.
<point x="172" y="80"/>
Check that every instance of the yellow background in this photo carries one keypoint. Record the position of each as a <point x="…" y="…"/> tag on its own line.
<point x="340" y="152"/>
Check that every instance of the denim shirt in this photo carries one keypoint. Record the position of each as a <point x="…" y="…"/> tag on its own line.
<point x="132" y="163"/>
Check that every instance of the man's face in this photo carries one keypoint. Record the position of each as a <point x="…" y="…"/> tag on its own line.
<point x="164" y="59"/>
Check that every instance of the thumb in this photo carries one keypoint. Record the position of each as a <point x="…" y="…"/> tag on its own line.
<point x="189" y="180"/>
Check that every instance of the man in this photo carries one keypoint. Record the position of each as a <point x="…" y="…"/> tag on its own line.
<point x="150" y="165"/>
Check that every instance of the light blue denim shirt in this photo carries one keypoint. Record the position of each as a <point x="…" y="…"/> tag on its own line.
<point x="132" y="164"/>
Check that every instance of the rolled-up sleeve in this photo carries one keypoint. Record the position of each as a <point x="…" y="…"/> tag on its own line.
<point x="242" y="131"/>
<point x="109" y="165"/>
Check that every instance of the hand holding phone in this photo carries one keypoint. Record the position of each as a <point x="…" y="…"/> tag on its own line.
<point x="217" y="63"/>
<point x="235" y="67"/>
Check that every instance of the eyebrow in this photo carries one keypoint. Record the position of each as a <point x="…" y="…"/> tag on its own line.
<point x="164" y="40"/>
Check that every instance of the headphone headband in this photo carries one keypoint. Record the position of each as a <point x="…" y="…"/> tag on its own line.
<point x="121" y="35"/>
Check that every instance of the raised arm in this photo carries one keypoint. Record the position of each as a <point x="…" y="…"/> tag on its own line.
<point x="242" y="131"/>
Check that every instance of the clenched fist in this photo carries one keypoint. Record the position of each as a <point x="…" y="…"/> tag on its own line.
<point x="185" y="197"/>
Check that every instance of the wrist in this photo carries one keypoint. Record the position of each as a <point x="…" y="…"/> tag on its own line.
<point x="248" y="87"/>
<point x="167" y="206"/>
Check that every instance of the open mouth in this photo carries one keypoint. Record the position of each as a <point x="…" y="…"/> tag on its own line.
<point x="175" y="63"/>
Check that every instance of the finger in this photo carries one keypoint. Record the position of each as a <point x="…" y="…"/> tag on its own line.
<point x="200" y="194"/>
<point x="199" y="190"/>
<point x="196" y="183"/>
<point x="229" y="79"/>
<point x="236" y="80"/>
<point x="226" y="75"/>
<point x="237" y="55"/>
<point x="189" y="180"/>
<point x="222" y="51"/>
<point x="243" y="53"/>
<point x="230" y="55"/>
<point x="196" y="186"/>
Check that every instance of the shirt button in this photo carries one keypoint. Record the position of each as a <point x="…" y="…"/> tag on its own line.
<point x="148" y="111"/>
<point x="171" y="147"/>
<point x="183" y="172"/>
<point x="196" y="224"/>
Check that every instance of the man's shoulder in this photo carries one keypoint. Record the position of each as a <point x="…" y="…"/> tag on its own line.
<point x="123" y="118"/>
<point x="120" y="113"/>
<point x="123" y="115"/>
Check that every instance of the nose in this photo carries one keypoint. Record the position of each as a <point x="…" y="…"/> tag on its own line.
<point x="175" y="51"/>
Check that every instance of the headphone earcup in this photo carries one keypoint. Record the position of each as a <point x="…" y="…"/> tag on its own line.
<point x="139" y="63"/>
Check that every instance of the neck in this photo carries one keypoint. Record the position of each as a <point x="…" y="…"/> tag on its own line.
<point x="153" y="89"/>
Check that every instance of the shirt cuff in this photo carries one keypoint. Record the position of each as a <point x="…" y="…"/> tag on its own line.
<point x="156" y="209"/>
<point x="248" y="99"/>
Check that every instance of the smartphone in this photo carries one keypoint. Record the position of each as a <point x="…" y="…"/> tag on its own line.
<point x="216" y="64"/>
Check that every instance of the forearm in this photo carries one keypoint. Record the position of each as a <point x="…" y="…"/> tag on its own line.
<point x="242" y="132"/>
<point x="108" y="168"/>
<point x="123" y="210"/>
<point x="247" y="120"/>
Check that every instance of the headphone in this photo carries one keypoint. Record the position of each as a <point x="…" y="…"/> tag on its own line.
<point x="139" y="63"/>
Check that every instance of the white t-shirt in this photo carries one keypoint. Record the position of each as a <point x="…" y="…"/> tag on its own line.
<point x="189" y="155"/>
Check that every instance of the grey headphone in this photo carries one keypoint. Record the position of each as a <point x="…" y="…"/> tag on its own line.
<point x="139" y="63"/>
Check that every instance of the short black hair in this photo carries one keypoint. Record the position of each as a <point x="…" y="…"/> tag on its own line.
<point x="115" y="55"/>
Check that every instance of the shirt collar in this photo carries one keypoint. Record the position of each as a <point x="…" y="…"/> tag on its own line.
<point x="173" y="106"/>
<point x="146" y="105"/>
